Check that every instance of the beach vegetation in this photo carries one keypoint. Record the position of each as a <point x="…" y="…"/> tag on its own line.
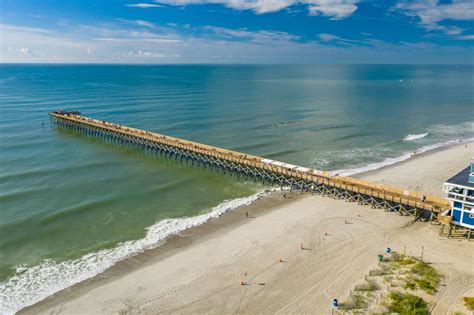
<point x="404" y="261"/>
<point x="369" y="285"/>
<point x="469" y="302"/>
<point x="397" y="261"/>
<point x="419" y="274"/>
<point x="426" y="286"/>
<point x="407" y="304"/>
<point x="427" y="277"/>
<point x="386" y="270"/>
<point x="356" y="301"/>
<point x="387" y="279"/>
<point x="410" y="284"/>
<point x="399" y="271"/>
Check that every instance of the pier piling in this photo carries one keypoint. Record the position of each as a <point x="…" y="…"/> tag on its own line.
<point x="296" y="178"/>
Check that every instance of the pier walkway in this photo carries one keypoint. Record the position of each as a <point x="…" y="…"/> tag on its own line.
<point x="249" y="166"/>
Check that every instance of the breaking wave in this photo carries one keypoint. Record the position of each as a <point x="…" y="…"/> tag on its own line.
<point x="31" y="285"/>
<point x="394" y="160"/>
<point x="415" y="136"/>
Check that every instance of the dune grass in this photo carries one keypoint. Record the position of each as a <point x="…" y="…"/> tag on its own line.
<point x="427" y="278"/>
<point x="407" y="304"/>
<point x="356" y="301"/>
<point x="420" y="275"/>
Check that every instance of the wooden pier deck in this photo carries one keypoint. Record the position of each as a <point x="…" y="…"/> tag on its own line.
<point x="285" y="175"/>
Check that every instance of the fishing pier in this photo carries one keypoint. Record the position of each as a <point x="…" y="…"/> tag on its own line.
<point x="285" y="175"/>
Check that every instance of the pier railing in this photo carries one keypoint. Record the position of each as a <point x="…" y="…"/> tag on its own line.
<point x="286" y="175"/>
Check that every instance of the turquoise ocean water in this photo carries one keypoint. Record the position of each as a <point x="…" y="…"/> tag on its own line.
<point x="72" y="206"/>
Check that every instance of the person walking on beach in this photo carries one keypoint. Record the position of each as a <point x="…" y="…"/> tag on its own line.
<point x="246" y="214"/>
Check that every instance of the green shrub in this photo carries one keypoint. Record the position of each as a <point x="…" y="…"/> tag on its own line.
<point x="407" y="261"/>
<point x="428" y="278"/>
<point x="469" y="302"/>
<point x="410" y="285"/>
<point x="426" y="286"/>
<point x="370" y="285"/>
<point x="407" y="304"/>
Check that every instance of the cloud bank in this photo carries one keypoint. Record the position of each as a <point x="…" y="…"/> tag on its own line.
<point x="113" y="44"/>
<point x="138" y="37"/>
<point x="335" y="9"/>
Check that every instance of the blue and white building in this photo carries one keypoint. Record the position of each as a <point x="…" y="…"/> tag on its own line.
<point x="459" y="190"/>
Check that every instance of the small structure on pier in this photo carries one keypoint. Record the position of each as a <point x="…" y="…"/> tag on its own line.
<point x="459" y="191"/>
<point x="67" y="113"/>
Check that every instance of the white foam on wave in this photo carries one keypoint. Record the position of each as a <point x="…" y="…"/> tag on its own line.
<point x="33" y="284"/>
<point x="416" y="136"/>
<point x="401" y="158"/>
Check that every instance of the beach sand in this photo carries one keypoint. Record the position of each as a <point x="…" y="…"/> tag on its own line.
<point x="201" y="270"/>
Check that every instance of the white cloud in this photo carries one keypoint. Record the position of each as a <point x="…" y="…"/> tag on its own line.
<point x="143" y="5"/>
<point x="261" y="36"/>
<point x="335" y="9"/>
<point x="8" y="27"/>
<point x="259" y="6"/>
<point x="431" y="13"/>
<point x="28" y="52"/>
<point x="138" y="23"/>
<point x="143" y="40"/>
<point x="146" y="54"/>
<point x="327" y="37"/>
<point x="144" y="23"/>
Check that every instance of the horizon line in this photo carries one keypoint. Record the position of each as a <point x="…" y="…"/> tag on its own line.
<point x="227" y="64"/>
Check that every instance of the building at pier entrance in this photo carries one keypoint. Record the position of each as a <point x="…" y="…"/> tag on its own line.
<point x="459" y="190"/>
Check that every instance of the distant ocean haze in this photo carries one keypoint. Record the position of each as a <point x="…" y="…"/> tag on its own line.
<point x="71" y="206"/>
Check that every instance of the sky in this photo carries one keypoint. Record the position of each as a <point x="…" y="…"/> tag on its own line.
<point x="237" y="31"/>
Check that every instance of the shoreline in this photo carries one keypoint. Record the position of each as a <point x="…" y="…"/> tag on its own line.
<point x="353" y="172"/>
<point x="173" y="244"/>
<point x="214" y="228"/>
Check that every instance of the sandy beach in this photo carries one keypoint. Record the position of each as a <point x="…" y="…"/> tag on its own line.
<point x="201" y="270"/>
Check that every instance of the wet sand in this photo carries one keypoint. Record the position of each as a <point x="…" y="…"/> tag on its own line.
<point x="201" y="270"/>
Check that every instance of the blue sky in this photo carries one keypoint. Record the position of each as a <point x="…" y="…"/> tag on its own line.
<point x="237" y="31"/>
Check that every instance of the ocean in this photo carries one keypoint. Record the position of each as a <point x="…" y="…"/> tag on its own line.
<point x="71" y="206"/>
